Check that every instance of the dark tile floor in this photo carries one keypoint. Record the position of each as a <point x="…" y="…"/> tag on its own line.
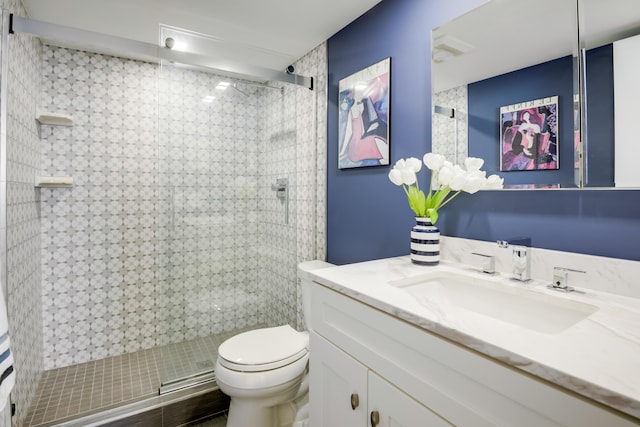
<point x="220" y="421"/>
<point x="87" y="388"/>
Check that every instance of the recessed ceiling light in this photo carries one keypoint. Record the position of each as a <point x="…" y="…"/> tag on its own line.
<point x="174" y="44"/>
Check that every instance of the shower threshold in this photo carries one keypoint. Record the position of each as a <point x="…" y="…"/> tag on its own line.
<point x="183" y="407"/>
<point x="190" y="381"/>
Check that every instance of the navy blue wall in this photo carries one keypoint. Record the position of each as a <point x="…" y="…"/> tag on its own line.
<point x="368" y="217"/>
<point x="600" y="152"/>
<point x="553" y="78"/>
<point x="548" y="79"/>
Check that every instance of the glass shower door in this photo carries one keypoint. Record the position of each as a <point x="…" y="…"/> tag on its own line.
<point x="209" y="142"/>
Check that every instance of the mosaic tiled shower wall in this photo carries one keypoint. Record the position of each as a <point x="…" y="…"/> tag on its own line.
<point x="312" y="163"/>
<point x="171" y="230"/>
<point x="23" y="230"/>
<point x="450" y="135"/>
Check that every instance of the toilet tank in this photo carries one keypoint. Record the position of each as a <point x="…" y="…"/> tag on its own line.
<point x="305" y="280"/>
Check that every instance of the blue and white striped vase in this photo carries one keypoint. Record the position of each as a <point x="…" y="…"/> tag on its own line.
<point x="425" y="242"/>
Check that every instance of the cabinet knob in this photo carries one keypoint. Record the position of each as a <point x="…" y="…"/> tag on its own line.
<point x="355" y="401"/>
<point x="375" y="418"/>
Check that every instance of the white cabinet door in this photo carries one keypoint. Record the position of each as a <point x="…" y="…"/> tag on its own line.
<point x="338" y="386"/>
<point x="390" y="407"/>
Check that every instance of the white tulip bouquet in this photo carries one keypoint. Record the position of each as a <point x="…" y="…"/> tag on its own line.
<point x="447" y="181"/>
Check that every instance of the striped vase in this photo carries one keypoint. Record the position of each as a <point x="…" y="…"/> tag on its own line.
<point x="425" y="242"/>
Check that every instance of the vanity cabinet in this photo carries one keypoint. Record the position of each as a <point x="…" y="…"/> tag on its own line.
<point x="413" y="377"/>
<point x="338" y="397"/>
<point x="390" y="407"/>
<point x="346" y="393"/>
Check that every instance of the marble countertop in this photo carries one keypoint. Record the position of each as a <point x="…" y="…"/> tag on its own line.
<point x="598" y="357"/>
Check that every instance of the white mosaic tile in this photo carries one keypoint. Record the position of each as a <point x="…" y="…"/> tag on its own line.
<point x="23" y="235"/>
<point x="171" y="224"/>
<point x="311" y="163"/>
<point x="450" y="135"/>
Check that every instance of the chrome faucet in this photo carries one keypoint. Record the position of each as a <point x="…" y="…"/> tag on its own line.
<point x="520" y="261"/>
<point x="561" y="279"/>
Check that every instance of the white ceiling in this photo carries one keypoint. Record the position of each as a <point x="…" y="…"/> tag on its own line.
<point x="504" y="36"/>
<point x="265" y="33"/>
<point x="508" y="35"/>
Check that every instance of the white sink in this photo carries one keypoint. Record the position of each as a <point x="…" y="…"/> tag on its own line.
<point x="504" y="302"/>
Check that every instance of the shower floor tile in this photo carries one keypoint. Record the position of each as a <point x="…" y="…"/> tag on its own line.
<point x="188" y="358"/>
<point x="99" y="385"/>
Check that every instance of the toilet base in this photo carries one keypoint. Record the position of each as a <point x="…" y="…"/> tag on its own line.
<point x="247" y="413"/>
<point x="278" y="410"/>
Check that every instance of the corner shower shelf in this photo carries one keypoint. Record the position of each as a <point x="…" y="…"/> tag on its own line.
<point x="54" y="119"/>
<point x="53" y="182"/>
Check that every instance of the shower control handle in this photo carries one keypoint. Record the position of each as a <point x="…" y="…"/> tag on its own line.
<point x="355" y="401"/>
<point x="281" y="187"/>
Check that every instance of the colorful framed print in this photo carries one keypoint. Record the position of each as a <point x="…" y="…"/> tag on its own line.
<point x="529" y="135"/>
<point x="364" y="117"/>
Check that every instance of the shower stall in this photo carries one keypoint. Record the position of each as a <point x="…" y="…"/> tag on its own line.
<point x="191" y="187"/>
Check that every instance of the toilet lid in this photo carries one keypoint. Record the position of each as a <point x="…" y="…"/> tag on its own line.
<point x="263" y="349"/>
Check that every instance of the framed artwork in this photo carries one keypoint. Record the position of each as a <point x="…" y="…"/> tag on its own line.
<point x="529" y="135"/>
<point x="364" y="117"/>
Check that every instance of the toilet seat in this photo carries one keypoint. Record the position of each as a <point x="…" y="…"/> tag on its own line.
<point x="263" y="349"/>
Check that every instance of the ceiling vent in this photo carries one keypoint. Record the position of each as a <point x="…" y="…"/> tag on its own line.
<point x="446" y="47"/>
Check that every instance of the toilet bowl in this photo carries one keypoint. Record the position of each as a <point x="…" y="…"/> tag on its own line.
<point x="264" y="371"/>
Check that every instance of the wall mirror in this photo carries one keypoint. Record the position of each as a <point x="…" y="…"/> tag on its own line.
<point x="506" y="78"/>
<point x="610" y="42"/>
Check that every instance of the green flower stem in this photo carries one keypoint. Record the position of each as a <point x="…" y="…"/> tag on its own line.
<point x="450" y="198"/>
<point x="430" y="190"/>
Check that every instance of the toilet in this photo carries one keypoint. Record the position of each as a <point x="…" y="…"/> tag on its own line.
<point x="265" y="371"/>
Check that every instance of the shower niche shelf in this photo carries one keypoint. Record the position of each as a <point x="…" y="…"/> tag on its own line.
<point x="54" y="119"/>
<point x="53" y="182"/>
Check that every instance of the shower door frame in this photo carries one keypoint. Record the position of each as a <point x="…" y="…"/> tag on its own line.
<point x="75" y="38"/>
<point x="4" y="84"/>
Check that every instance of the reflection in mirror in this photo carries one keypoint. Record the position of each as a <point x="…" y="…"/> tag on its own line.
<point x="610" y="41"/>
<point x="511" y="54"/>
